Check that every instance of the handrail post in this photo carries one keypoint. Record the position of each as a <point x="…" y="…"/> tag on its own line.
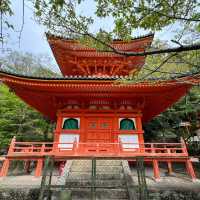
<point x="75" y="146"/>
<point x="12" y="145"/>
<point x="120" y="146"/>
<point x="54" y="148"/>
<point x="32" y="148"/>
<point x="141" y="147"/>
<point x="43" y="149"/>
<point x="152" y="148"/>
<point x="184" y="147"/>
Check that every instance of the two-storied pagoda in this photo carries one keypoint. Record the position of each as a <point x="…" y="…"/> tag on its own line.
<point x="96" y="114"/>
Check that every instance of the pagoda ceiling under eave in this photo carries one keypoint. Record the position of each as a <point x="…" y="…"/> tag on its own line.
<point x="103" y="66"/>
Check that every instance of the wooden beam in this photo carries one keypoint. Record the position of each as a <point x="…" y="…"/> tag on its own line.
<point x="82" y="69"/>
<point x="88" y="69"/>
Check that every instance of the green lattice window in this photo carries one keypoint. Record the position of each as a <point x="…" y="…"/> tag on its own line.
<point x="70" y="123"/>
<point x="127" y="124"/>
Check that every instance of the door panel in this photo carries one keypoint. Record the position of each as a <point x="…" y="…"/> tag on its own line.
<point x="99" y="129"/>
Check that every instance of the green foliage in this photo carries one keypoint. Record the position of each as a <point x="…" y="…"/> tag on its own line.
<point x="101" y="38"/>
<point x="167" y="66"/>
<point x="166" y="125"/>
<point x="151" y="15"/>
<point x="18" y="119"/>
<point x="125" y="16"/>
<point x="5" y="7"/>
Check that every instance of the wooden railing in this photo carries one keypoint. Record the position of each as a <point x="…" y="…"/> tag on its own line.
<point x="96" y="149"/>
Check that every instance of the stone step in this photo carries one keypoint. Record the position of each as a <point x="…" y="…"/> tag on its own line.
<point x="109" y="162"/>
<point x="70" y="183"/>
<point x="109" y="178"/>
<point x="100" y="194"/>
<point x="74" y="198"/>
<point x="101" y="176"/>
<point x="97" y="199"/>
<point x="85" y="194"/>
<point x="98" y="162"/>
<point x="102" y="169"/>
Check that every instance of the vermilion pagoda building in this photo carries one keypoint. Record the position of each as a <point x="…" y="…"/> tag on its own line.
<point x="96" y="114"/>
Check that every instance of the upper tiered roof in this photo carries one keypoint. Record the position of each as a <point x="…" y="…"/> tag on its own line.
<point x="74" y="58"/>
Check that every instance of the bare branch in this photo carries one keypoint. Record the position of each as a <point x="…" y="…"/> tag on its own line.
<point x="63" y="24"/>
<point x="187" y="62"/>
<point x="171" y="16"/>
<point x="22" y="26"/>
<point x="183" y="48"/>
<point x="161" y="64"/>
<point x="1" y="25"/>
<point x="177" y="42"/>
<point x="163" y="72"/>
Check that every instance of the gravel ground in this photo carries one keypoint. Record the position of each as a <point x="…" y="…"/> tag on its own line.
<point x="178" y="181"/>
<point x="23" y="181"/>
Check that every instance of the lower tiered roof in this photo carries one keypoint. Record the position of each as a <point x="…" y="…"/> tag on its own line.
<point x="48" y="95"/>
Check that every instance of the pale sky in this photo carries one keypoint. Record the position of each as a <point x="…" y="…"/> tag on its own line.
<point x="33" y="38"/>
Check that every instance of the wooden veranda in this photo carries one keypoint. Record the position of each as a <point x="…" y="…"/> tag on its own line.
<point x="151" y="152"/>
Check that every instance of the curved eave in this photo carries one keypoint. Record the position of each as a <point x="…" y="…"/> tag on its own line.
<point x="44" y="94"/>
<point x="115" y="41"/>
<point x="93" y="82"/>
<point x="66" y="51"/>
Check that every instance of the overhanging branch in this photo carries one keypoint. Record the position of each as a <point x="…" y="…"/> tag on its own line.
<point x="179" y="49"/>
<point x="182" y="48"/>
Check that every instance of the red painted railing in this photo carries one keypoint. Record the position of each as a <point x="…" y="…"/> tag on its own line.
<point x="97" y="149"/>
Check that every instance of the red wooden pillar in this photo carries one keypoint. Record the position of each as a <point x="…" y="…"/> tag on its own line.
<point x="139" y="128"/>
<point x="39" y="166"/>
<point x="169" y="166"/>
<point x="5" y="167"/>
<point x="115" y="129"/>
<point x="58" y="127"/>
<point x="156" y="170"/>
<point x="190" y="170"/>
<point x="82" y="129"/>
<point x="140" y="133"/>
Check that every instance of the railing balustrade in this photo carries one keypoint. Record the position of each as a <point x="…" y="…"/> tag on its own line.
<point x="91" y="148"/>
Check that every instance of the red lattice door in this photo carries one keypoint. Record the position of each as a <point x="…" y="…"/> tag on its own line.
<point x="99" y="129"/>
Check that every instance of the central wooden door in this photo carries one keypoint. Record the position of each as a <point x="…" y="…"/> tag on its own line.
<point x="99" y="129"/>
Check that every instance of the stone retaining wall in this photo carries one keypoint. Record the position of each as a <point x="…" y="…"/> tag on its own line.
<point x="32" y="194"/>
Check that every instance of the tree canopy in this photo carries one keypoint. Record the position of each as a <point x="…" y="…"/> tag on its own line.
<point x="71" y="18"/>
<point x="64" y="16"/>
<point x="17" y="118"/>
